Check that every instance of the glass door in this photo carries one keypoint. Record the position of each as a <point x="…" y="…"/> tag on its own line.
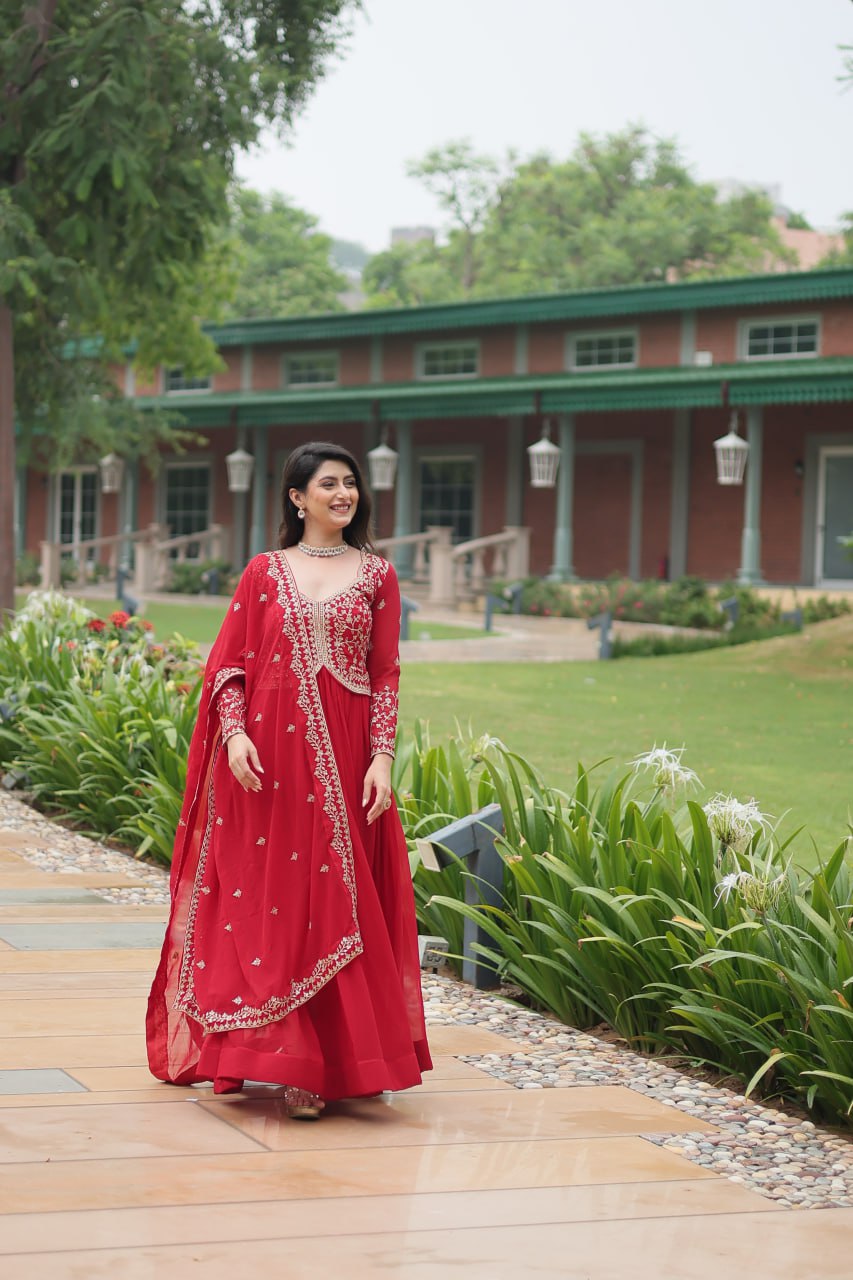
<point x="835" y="517"/>
<point x="77" y="506"/>
<point x="447" y="495"/>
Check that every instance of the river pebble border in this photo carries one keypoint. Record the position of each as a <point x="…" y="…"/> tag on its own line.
<point x="784" y="1157"/>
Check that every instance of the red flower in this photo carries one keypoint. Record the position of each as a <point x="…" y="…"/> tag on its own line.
<point x="146" y="625"/>
<point x="96" y="624"/>
<point x="119" y="618"/>
<point x="72" y="644"/>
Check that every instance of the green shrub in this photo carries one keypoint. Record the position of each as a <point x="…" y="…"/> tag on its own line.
<point x="192" y="578"/>
<point x="28" y="569"/>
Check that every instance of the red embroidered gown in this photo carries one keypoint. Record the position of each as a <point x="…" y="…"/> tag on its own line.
<point x="291" y="950"/>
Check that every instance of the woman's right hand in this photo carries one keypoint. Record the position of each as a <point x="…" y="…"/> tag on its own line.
<point x="243" y="761"/>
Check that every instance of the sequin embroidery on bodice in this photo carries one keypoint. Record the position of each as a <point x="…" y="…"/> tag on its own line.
<point x="339" y="626"/>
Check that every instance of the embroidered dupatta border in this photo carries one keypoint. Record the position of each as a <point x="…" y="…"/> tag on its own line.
<point x="275" y="1008"/>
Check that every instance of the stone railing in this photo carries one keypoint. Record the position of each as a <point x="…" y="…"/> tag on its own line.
<point x="52" y="554"/>
<point x="498" y="555"/>
<point x="155" y="553"/>
<point x="410" y="552"/>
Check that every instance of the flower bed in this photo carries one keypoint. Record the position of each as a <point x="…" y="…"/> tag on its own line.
<point x="685" y="928"/>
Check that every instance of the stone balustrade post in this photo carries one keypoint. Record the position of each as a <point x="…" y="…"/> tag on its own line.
<point x="442" y="586"/>
<point x="51" y="554"/>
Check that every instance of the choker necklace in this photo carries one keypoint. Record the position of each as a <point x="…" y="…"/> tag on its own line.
<point x="308" y="550"/>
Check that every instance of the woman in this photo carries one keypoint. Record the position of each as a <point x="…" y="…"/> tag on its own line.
<point x="291" y="950"/>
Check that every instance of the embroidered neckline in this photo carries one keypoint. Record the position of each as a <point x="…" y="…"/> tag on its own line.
<point x="321" y="600"/>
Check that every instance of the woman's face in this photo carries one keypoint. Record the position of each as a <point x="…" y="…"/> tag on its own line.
<point x="330" y="498"/>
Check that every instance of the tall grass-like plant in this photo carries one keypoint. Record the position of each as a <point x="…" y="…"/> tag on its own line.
<point x="687" y="931"/>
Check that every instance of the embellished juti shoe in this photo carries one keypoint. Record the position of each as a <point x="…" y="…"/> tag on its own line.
<point x="227" y="1084"/>
<point x="302" y="1105"/>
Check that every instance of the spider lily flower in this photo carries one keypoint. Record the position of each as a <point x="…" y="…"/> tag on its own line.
<point x="669" y="772"/>
<point x="733" y="822"/>
<point x="758" y="893"/>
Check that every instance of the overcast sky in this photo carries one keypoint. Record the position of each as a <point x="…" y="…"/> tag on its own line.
<point x="749" y="88"/>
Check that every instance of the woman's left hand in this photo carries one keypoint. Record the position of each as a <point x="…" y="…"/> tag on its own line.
<point x="378" y="779"/>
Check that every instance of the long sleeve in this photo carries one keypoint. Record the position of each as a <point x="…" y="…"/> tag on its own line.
<point x="231" y="708"/>
<point x="383" y="665"/>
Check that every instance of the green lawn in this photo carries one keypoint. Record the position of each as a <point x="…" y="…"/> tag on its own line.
<point x="202" y="621"/>
<point x="771" y="720"/>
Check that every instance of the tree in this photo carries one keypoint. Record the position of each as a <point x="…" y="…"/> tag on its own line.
<point x="622" y="209"/>
<point x="119" y="124"/>
<point x="283" y="264"/>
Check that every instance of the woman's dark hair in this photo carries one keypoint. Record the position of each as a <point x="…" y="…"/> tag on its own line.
<point x="302" y="464"/>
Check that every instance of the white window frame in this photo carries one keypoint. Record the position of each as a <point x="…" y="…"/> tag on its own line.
<point x="185" y="391"/>
<point x="184" y="464"/>
<point x="585" y="335"/>
<point x="420" y="360"/>
<point x="751" y="322"/>
<point x="325" y="354"/>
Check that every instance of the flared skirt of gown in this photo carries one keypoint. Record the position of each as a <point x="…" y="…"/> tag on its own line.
<point x="363" y="1031"/>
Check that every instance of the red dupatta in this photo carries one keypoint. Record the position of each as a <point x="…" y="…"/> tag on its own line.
<point x="264" y="909"/>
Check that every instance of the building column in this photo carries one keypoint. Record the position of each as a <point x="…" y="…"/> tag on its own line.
<point x="750" y="545"/>
<point x="127" y="512"/>
<point x="238" y="513"/>
<point x="20" y="510"/>
<point x="680" y="494"/>
<point x="403" y="498"/>
<point x="562" y="569"/>
<point x="515" y="461"/>
<point x="258" y="536"/>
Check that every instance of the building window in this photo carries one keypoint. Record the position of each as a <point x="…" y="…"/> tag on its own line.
<point x="187" y="504"/>
<point x="779" y="339"/>
<point x="175" y="380"/>
<point x="311" y="369"/>
<point x="609" y="350"/>
<point x="449" y="360"/>
<point x="447" y="495"/>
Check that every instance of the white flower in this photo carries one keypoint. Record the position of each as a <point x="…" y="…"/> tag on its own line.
<point x="668" y="769"/>
<point x="759" y="893"/>
<point x="732" y="822"/>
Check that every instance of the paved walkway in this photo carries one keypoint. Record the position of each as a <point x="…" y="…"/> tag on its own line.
<point x="485" y="1172"/>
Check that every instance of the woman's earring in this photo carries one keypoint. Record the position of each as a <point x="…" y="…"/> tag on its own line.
<point x="300" y="514"/>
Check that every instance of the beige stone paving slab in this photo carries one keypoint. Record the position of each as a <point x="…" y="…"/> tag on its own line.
<point x="445" y="1039"/>
<point x="70" y="984"/>
<point x="35" y="878"/>
<point x="79" y="913"/>
<point x="112" y="1014"/>
<point x="27" y="1101"/>
<point x="68" y="1052"/>
<point x="792" y="1246"/>
<point x="143" y="959"/>
<point x="127" y="1130"/>
<point x="415" y="1119"/>
<point x="365" y="1171"/>
<point x="448" y="1072"/>
<point x="432" y="1211"/>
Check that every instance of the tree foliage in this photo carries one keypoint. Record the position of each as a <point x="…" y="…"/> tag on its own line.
<point x="621" y="209"/>
<point x="119" y="124"/>
<point x="283" y="263"/>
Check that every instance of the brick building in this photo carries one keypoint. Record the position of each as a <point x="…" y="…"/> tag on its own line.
<point x="634" y="383"/>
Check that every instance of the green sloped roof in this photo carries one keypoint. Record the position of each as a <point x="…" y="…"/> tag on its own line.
<point x="622" y="301"/>
<point x="773" y="382"/>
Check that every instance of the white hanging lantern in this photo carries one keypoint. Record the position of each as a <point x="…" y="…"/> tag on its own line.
<point x="544" y="458"/>
<point x="240" y="465"/>
<point x="731" y="451"/>
<point x="382" y="462"/>
<point x="112" y="473"/>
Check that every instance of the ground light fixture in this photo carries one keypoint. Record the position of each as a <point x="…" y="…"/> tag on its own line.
<point x="382" y="464"/>
<point x="731" y="452"/>
<point x="240" y="465"/>
<point x="544" y="458"/>
<point x="112" y="472"/>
